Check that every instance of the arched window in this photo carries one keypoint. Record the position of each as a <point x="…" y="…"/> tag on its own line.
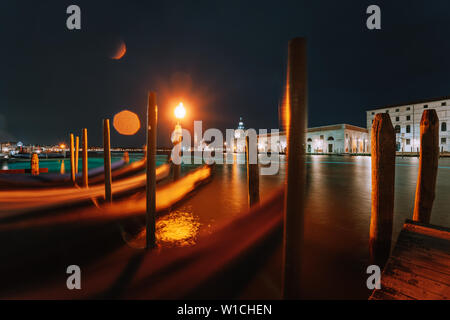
<point x="397" y="129"/>
<point x="444" y="126"/>
<point x="309" y="140"/>
<point x="330" y="139"/>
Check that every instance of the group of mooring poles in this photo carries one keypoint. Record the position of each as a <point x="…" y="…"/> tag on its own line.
<point x="74" y="150"/>
<point x="152" y="112"/>
<point x="383" y="180"/>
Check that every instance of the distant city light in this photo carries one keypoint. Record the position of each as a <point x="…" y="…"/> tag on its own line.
<point x="62" y="146"/>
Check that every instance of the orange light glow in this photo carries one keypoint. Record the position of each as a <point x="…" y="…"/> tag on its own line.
<point x="179" y="228"/>
<point x="180" y="111"/>
<point x="62" y="146"/>
<point x="120" y="52"/>
<point x="126" y="123"/>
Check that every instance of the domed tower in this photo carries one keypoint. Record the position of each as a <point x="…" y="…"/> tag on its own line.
<point x="239" y="135"/>
<point x="241" y="124"/>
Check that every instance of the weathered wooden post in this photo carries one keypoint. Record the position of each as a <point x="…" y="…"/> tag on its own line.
<point x="126" y="157"/>
<point x="383" y="179"/>
<point x="152" y="120"/>
<point x="77" y="150"/>
<point x="296" y="108"/>
<point x="85" y="158"/>
<point x="428" y="166"/>
<point x="107" y="159"/>
<point x="34" y="164"/>
<point x="72" y="159"/>
<point x="252" y="172"/>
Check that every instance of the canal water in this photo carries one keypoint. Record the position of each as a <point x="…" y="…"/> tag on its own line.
<point x="337" y="219"/>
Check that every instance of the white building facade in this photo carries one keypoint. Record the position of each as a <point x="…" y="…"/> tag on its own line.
<point x="406" y="121"/>
<point x="333" y="139"/>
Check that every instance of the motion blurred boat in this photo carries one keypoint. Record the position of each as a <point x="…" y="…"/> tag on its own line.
<point x="12" y="202"/>
<point x="53" y="180"/>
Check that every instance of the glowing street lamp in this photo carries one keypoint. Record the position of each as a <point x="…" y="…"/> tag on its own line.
<point x="180" y="111"/>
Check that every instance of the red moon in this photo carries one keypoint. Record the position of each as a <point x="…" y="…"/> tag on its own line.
<point x="120" y="52"/>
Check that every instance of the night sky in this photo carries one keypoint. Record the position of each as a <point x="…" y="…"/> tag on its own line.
<point x="223" y="59"/>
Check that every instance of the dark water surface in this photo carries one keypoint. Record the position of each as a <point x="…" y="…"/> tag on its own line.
<point x="336" y="224"/>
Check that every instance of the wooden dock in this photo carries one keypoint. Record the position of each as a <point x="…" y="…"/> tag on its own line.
<point x="419" y="266"/>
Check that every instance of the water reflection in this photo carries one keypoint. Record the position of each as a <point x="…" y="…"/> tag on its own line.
<point x="337" y="218"/>
<point x="178" y="228"/>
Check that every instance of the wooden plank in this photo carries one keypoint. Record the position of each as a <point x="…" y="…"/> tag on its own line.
<point x="424" y="245"/>
<point x="429" y="230"/>
<point x="389" y="294"/>
<point x="419" y="281"/>
<point x="419" y="267"/>
<point x="409" y="288"/>
<point x="400" y="264"/>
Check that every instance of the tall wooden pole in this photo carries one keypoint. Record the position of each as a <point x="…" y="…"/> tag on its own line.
<point x="296" y="117"/>
<point x="77" y="151"/>
<point x="252" y="173"/>
<point x="72" y="160"/>
<point x="152" y="120"/>
<point x="383" y="179"/>
<point x="428" y="166"/>
<point x="85" y="158"/>
<point x="107" y="160"/>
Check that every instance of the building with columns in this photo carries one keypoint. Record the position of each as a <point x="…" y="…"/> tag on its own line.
<point x="406" y="121"/>
<point x="332" y="139"/>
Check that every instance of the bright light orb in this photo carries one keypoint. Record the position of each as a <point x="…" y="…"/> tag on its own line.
<point x="126" y="123"/>
<point x="180" y="111"/>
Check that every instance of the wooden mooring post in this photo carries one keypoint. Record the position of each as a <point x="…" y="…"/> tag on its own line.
<point x="296" y="108"/>
<point x="34" y="164"/>
<point x="77" y="151"/>
<point x="252" y="171"/>
<point x="126" y="157"/>
<point x="428" y="166"/>
<point x="72" y="159"/>
<point x="152" y="120"/>
<point x="84" y="156"/>
<point x="383" y="179"/>
<point x="107" y="160"/>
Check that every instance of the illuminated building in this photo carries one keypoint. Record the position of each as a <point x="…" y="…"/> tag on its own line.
<point x="406" y="122"/>
<point x="332" y="139"/>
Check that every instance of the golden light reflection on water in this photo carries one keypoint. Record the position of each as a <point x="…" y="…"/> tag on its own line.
<point x="178" y="228"/>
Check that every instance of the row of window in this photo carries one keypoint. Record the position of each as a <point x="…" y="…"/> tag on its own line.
<point x="321" y="138"/>
<point x="425" y="106"/>
<point x="408" y="128"/>
<point x="408" y="118"/>
<point x="443" y="141"/>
